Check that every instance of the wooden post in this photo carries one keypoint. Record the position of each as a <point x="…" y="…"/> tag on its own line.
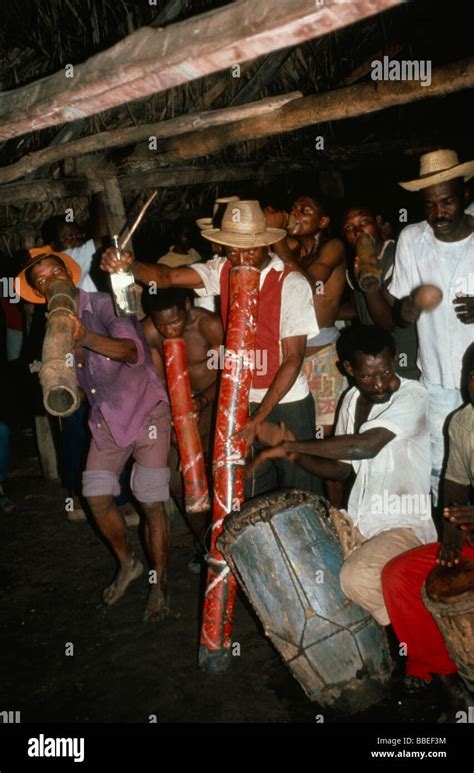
<point x="46" y="449"/>
<point x="114" y="208"/>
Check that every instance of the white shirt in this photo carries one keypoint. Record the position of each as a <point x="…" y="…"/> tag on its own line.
<point x="179" y="259"/>
<point x="421" y="258"/>
<point x="83" y="256"/>
<point x="297" y="315"/>
<point x="392" y="490"/>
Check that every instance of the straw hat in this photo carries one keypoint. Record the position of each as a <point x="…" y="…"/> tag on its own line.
<point x="438" y="167"/>
<point x="203" y="223"/>
<point x="22" y="287"/>
<point x="243" y="225"/>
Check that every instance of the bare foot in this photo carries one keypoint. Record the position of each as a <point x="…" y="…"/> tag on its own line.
<point x="157" y="607"/>
<point x="123" y="578"/>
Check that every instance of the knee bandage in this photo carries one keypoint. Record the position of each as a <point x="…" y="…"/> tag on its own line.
<point x="98" y="483"/>
<point x="149" y="484"/>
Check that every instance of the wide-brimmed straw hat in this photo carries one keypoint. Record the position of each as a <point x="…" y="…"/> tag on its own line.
<point x="36" y="254"/>
<point x="204" y="223"/>
<point x="244" y="225"/>
<point x="438" y="167"/>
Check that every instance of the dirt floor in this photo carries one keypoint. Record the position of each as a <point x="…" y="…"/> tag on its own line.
<point x="51" y="576"/>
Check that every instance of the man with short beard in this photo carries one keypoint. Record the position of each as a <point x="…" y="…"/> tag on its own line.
<point x="438" y="251"/>
<point x="382" y="438"/>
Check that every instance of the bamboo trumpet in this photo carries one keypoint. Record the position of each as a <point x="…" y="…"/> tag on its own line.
<point x="229" y="463"/>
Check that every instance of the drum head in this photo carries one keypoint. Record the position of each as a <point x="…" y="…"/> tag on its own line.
<point x="445" y="584"/>
<point x="264" y="508"/>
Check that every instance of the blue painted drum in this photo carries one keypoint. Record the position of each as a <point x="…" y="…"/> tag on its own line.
<point x="286" y="556"/>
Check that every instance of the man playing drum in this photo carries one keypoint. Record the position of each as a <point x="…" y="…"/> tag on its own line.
<point x="382" y="437"/>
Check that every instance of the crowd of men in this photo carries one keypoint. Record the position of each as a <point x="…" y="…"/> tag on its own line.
<point x="361" y="396"/>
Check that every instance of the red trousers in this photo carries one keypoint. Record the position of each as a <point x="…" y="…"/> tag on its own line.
<point x="402" y="581"/>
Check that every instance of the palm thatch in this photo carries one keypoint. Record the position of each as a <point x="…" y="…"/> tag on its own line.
<point x="38" y="39"/>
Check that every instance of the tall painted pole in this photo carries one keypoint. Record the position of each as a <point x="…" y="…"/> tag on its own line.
<point x="196" y="494"/>
<point x="229" y="462"/>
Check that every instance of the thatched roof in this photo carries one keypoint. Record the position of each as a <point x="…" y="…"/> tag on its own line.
<point x="38" y="39"/>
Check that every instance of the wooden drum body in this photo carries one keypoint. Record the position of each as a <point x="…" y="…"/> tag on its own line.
<point x="286" y="555"/>
<point x="448" y="594"/>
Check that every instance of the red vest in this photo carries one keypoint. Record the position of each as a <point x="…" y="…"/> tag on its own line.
<point x="267" y="337"/>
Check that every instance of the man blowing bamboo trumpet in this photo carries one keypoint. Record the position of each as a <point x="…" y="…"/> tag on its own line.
<point x="129" y="415"/>
<point x="279" y="390"/>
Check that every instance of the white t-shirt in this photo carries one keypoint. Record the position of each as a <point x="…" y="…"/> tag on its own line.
<point x="83" y="256"/>
<point x="421" y="258"/>
<point x="392" y="490"/>
<point x="297" y="316"/>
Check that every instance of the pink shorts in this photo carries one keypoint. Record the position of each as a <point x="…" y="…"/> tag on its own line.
<point x="150" y="476"/>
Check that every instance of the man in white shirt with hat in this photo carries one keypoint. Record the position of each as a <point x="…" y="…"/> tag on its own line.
<point x="439" y="251"/>
<point x="279" y="392"/>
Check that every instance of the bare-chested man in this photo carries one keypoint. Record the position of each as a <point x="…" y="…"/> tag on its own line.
<point x="170" y="314"/>
<point x="323" y="260"/>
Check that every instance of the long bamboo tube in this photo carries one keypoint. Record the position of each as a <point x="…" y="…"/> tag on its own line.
<point x="229" y="463"/>
<point x="196" y="493"/>
<point x="58" y="373"/>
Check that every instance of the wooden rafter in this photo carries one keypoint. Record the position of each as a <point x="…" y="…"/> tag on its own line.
<point x="152" y="60"/>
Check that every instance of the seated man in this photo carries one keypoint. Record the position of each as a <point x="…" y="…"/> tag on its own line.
<point x="404" y="576"/>
<point x="382" y="437"/>
<point x="129" y="416"/>
<point x="286" y="316"/>
<point x="171" y="315"/>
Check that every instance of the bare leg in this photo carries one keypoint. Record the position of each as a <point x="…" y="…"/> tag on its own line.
<point x="157" y="541"/>
<point x="112" y="527"/>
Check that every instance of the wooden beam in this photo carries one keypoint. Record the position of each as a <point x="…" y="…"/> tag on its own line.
<point x="347" y="102"/>
<point x="134" y="134"/>
<point x="38" y="191"/>
<point x="152" y="60"/>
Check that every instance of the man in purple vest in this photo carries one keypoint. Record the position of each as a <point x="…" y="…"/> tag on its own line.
<point x="286" y="317"/>
<point x="129" y="416"/>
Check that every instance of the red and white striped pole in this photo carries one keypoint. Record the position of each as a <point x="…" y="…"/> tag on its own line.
<point x="229" y="462"/>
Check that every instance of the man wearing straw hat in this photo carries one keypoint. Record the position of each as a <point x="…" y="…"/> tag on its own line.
<point x="281" y="393"/>
<point x="439" y="251"/>
<point x="129" y="416"/>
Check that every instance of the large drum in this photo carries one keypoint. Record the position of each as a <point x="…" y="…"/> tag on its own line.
<point x="286" y="556"/>
<point x="448" y="594"/>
